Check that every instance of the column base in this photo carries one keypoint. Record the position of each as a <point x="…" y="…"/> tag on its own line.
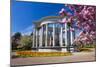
<point x="48" y="50"/>
<point x="72" y="49"/>
<point x="53" y="49"/>
<point x="63" y="49"/>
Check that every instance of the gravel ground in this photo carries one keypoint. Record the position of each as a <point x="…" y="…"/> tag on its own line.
<point x="76" y="57"/>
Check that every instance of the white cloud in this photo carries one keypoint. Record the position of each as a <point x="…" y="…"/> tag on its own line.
<point x="27" y="31"/>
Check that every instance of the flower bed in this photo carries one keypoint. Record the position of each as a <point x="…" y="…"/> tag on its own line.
<point x="41" y="54"/>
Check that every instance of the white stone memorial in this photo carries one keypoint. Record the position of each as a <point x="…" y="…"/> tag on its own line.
<point x="50" y="35"/>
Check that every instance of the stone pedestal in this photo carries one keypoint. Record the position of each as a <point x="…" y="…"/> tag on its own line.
<point x="63" y="50"/>
<point x="47" y="50"/>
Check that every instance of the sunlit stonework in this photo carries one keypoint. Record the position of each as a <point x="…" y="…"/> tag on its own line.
<point x="50" y="34"/>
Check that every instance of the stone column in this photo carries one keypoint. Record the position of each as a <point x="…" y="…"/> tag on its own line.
<point x="68" y="40"/>
<point x="61" y="37"/>
<point x="72" y="36"/>
<point x="53" y="35"/>
<point x="41" y="37"/>
<point x="36" y="38"/>
<point x="65" y="34"/>
<point x="46" y="35"/>
<point x="50" y="42"/>
<point x="33" y="38"/>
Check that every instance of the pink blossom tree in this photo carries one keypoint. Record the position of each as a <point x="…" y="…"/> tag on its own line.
<point x="83" y="18"/>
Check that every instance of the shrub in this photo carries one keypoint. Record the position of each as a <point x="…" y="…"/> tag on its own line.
<point x="85" y="50"/>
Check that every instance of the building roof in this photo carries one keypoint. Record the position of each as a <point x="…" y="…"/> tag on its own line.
<point x="48" y="18"/>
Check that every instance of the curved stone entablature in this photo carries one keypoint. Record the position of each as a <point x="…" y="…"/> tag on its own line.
<point x="49" y="19"/>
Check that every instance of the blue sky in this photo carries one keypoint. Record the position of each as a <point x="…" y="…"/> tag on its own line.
<point x="23" y="14"/>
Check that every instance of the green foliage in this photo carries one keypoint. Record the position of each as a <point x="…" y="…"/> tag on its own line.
<point x="90" y="46"/>
<point x="26" y="42"/>
<point x="19" y="42"/>
<point x="17" y="35"/>
<point x="86" y="50"/>
<point x="69" y="24"/>
<point x="15" y="41"/>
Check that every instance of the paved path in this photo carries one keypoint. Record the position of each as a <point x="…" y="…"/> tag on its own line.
<point x="76" y="57"/>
